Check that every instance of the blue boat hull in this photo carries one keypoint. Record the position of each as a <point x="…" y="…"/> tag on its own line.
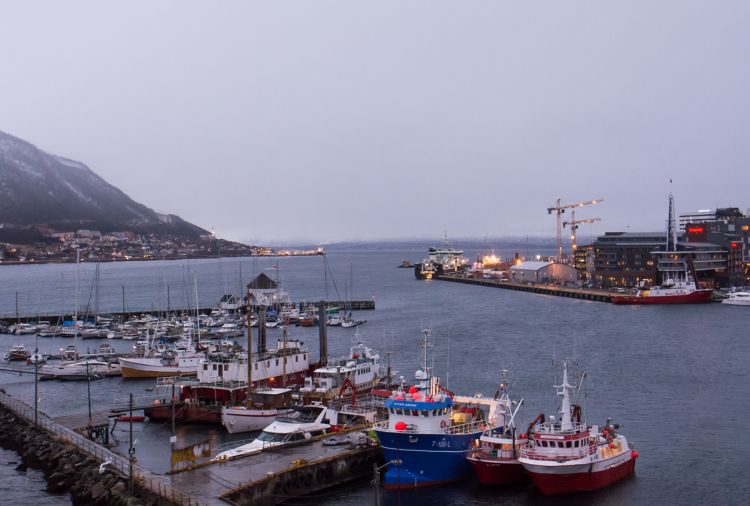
<point x="425" y="459"/>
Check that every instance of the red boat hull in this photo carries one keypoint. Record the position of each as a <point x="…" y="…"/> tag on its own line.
<point x="498" y="473"/>
<point x="185" y="413"/>
<point x="557" y="484"/>
<point x="696" y="297"/>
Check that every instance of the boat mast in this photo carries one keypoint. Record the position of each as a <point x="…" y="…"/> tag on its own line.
<point x="78" y="282"/>
<point x="249" y="395"/>
<point x="283" y="355"/>
<point x="671" y="229"/>
<point x="565" y="421"/>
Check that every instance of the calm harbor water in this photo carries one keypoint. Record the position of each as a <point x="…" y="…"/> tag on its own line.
<point x="674" y="377"/>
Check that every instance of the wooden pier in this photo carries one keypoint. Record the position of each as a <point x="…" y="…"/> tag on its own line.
<point x="54" y="318"/>
<point x="277" y="475"/>
<point x="545" y="289"/>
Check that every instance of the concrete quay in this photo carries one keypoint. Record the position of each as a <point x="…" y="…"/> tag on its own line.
<point x="545" y="289"/>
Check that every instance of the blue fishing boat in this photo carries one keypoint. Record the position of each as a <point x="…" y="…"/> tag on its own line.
<point x="430" y="430"/>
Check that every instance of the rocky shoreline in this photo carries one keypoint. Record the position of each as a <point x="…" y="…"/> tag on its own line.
<point x="65" y="468"/>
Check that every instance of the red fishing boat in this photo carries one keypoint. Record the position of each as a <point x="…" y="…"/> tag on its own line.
<point x="495" y="460"/>
<point x="566" y="456"/>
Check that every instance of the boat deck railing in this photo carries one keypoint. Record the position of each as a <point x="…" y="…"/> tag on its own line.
<point x="464" y="428"/>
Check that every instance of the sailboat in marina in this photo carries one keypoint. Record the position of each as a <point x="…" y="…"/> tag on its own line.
<point x="183" y="360"/>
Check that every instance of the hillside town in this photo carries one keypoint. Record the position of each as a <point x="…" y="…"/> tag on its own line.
<point x="94" y="246"/>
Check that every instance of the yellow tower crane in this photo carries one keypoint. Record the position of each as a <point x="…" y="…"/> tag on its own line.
<point x="559" y="209"/>
<point x="573" y="228"/>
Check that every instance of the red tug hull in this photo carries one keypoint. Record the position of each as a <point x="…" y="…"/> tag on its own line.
<point x="498" y="473"/>
<point x="696" y="297"/>
<point x="557" y="484"/>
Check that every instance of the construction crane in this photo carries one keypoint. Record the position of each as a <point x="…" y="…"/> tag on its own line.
<point x="559" y="209"/>
<point x="573" y="228"/>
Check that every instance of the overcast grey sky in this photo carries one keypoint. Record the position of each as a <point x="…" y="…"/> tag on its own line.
<point x="333" y="120"/>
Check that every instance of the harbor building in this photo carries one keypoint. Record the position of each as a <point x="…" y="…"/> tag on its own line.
<point x="583" y="261"/>
<point x="543" y="272"/>
<point x="628" y="259"/>
<point x="730" y="230"/>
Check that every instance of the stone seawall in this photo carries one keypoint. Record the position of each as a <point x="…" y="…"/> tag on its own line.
<point x="65" y="468"/>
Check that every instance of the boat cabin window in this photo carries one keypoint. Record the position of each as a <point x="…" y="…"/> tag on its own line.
<point x="304" y="357"/>
<point x="296" y="358"/>
<point x="205" y="367"/>
<point x="569" y="444"/>
<point x="214" y="366"/>
<point x="575" y="444"/>
<point x="544" y="444"/>
<point x="226" y="367"/>
<point x="425" y="412"/>
<point x="256" y="366"/>
<point x="277" y="361"/>
<point x="560" y="444"/>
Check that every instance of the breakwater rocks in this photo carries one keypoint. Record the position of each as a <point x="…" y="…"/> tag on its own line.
<point x="65" y="467"/>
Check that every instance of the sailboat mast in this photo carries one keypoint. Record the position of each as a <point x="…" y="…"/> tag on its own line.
<point x="78" y="282"/>
<point x="249" y="395"/>
<point x="283" y="364"/>
<point x="96" y="301"/>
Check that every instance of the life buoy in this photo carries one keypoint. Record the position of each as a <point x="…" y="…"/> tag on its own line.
<point x="443" y="424"/>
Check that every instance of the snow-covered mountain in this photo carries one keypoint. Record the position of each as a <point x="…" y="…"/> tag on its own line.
<point x="39" y="189"/>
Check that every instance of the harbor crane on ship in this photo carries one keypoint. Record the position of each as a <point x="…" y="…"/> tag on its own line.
<point x="574" y="228"/>
<point x="559" y="209"/>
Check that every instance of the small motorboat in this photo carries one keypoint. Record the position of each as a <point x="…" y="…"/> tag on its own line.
<point x="737" y="299"/>
<point x="128" y="418"/>
<point x="335" y="441"/>
<point x="17" y="352"/>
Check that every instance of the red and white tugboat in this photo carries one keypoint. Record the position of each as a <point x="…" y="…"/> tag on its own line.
<point x="568" y="456"/>
<point x="495" y="461"/>
<point x="678" y="275"/>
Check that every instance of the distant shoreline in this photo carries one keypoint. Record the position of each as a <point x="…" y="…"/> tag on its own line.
<point x="128" y="260"/>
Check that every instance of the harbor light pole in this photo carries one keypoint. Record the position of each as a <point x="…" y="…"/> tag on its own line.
<point x="36" y="385"/>
<point x="88" y="387"/>
<point x="131" y="449"/>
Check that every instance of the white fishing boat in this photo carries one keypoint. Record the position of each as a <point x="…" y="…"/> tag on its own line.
<point x="361" y="370"/>
<point x="169" y="363"/>
<point x="297" y="425"/>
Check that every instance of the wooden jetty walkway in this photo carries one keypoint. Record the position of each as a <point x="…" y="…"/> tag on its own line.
<point x="277" y="475"/>
<point x="353" y="305"/>
<point x="559" y="291"/>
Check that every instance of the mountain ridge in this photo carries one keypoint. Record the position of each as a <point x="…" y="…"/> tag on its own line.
<point x="43" y="191"/>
